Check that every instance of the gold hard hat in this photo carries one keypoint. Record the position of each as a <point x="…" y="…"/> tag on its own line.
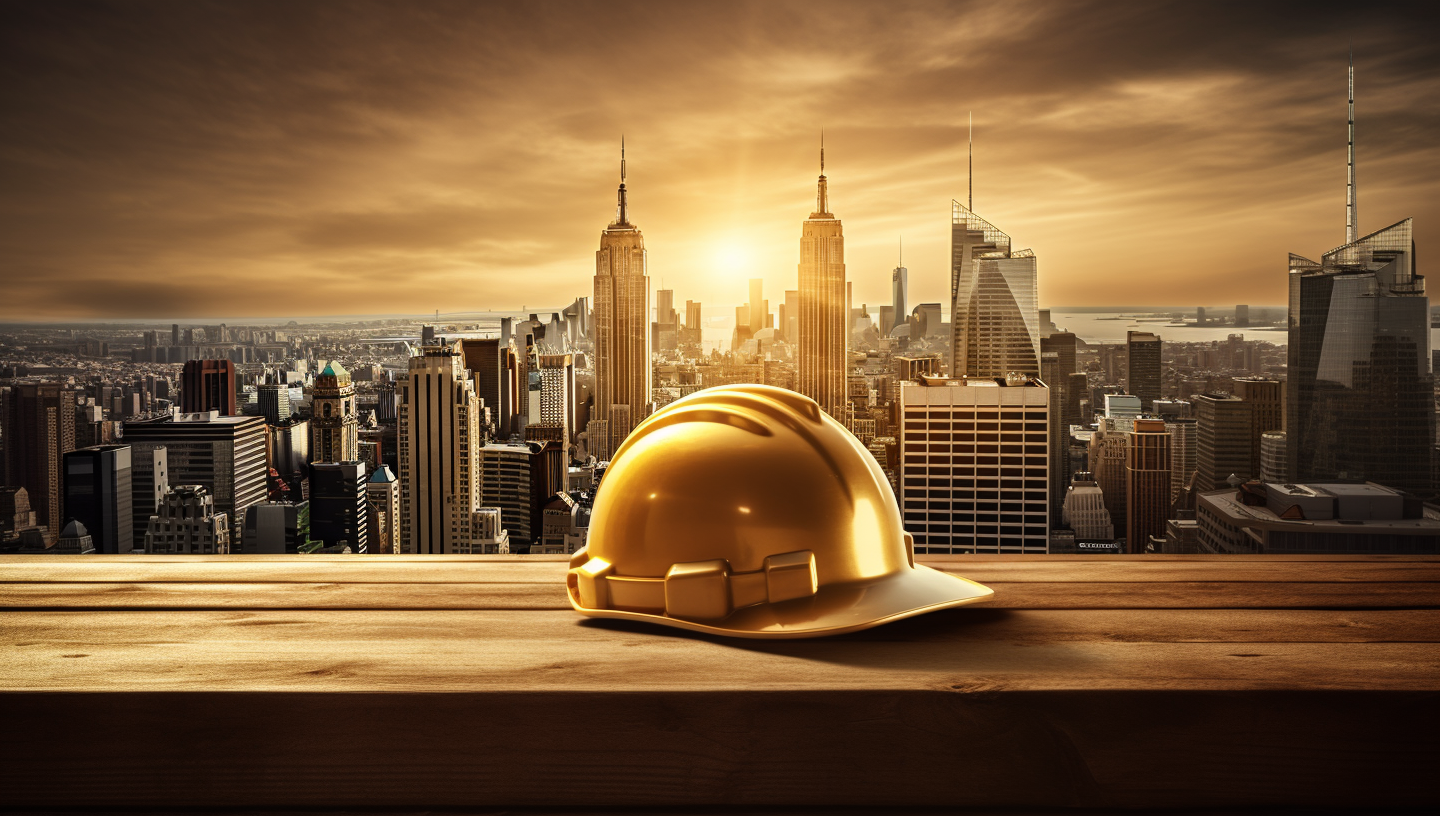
<point x="745" y="510"/>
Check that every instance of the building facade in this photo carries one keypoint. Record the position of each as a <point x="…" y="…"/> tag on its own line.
<point x="99" y="494"/>
<point x="1142" y="368"/>
<point x="974" y="465"/>
<point x="438" y="439"/>
<point x="1360" y="398"/>
<point x="1147" y="484"/>
<point x="208" y="385"/>
<point x="188" y="523"/>
<point x="38" y="430"/>
<point x="382" y="497"/>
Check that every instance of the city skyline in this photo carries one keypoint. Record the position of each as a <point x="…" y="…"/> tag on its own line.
<point x="161" y="169"/>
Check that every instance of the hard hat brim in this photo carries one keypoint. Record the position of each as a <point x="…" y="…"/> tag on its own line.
<point x="832" y="610"/>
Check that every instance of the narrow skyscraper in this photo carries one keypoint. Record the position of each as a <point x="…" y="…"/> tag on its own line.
<point x="900" y="288"/>
<point x="439" y="440"/>
<point x="622" y="330"/>
<point x="823" y="312"/>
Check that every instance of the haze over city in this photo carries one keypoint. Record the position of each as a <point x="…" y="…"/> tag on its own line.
<point x="266" y="159"/>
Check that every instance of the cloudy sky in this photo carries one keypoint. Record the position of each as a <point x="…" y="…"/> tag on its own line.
<point x="269" y="159"/>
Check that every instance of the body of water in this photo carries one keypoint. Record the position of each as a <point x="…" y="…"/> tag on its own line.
<point x="1102" y="327"/>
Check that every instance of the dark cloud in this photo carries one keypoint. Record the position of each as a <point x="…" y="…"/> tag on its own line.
<point x="159" y="158"/>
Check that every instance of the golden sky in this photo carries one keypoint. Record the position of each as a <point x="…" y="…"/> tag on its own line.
<point x="188" y="159"/>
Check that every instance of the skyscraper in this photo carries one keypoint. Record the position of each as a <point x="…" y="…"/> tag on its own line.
<point x="1223" y="440"/>
<point x="900" y="292"/>
<point x="557" y="398"/>
<point x="438" y="440"/>
<point x="98" y="495"/>
<point x="759" y="306"/>
<point x="1143" y="367"/>
<point x="1267" y="412"/>
<point x="995" y="319"/>
<point x="1147" y="483"/>
<point x="208" y="385"/>
<point x="334" y="425"/>
<point x="958" y="493"/>
<point x="823" y="311"/>
<point x="622" y="329"/>
<point x="274" y="399"/>
<point x="39" y="429"/>
<point x="1359" y="384"/>
<point x="1109" y="452"/>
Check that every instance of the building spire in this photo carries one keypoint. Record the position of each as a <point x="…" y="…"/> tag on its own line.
<point x="622" y="218"/>
<point x="822" y="196"/>
<point x="902" y="252"/>
<point x="1352" y="218"/>
<point x="970" y="171"/>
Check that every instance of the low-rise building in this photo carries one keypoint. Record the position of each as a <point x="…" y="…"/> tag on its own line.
<point x="1316" y="518"/>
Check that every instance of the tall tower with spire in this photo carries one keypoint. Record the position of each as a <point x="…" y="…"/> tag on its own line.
<point x="824" y="352"/>
<point x="622" y="330"/>
<point x="1359" y="386"/>
<point x="994" y="307"/>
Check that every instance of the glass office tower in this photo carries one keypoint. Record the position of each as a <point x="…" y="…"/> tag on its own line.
<point x="995" y="317"/>
<point x="1360" y="393"/>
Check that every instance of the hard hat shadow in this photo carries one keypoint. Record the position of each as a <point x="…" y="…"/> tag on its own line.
<point x="949" y="626"/>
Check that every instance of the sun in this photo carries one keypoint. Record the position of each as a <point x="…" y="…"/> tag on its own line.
<point x="730" y="258"/>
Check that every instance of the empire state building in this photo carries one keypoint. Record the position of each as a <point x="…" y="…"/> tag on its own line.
<point x="622" y="331"/>
<point x="824" y="352"/>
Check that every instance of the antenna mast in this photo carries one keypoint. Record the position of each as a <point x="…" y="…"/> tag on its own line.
<point x="970" y="171"/>
<point x="1352" y="219"/>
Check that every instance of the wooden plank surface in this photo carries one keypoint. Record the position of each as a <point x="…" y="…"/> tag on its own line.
<point x="410" y="570"/>
<point x="345" y="651"/>
<point x="397" y="682"/>
<point x="551" y="595"/>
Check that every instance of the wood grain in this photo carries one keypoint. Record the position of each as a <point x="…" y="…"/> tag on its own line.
<point x="255" y="682"/>
<point x="550" y="569"/>
<point x="548" y="595"/>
